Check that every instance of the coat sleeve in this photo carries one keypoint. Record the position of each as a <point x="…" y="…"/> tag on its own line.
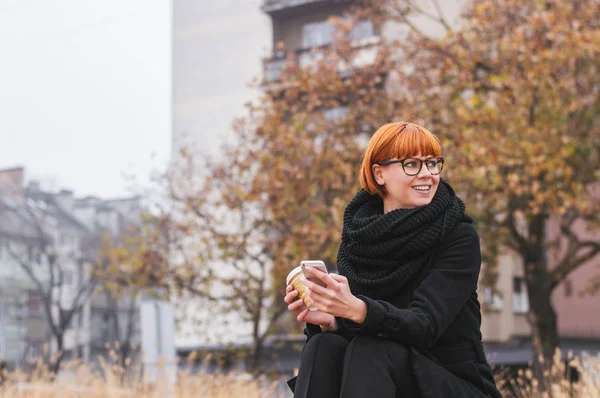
<point x="312" y="330"/>
<point x="438" y="299"/>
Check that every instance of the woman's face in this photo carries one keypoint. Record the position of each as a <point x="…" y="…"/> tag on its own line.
<point x="405" y="191"/>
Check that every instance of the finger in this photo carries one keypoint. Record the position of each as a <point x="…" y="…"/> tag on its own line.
<point x="339" y="278"/>
<point x="296" y="306"/>
<point x="316" y="289"/>
<point x="289" y="288"/>
<point x="290" y="297"/>
<point x="321" y="303"/>
<point x="322" y="276"/>
<point x="302" y="316"/>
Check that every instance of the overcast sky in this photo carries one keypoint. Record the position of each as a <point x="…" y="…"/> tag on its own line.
<point x="84" y="90"/>
<point x="85" y="85"/>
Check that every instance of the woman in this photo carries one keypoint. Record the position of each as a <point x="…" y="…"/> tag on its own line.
<point x="402" y="318"/>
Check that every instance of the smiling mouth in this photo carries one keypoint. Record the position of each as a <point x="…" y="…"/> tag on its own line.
<point x="422" y="188"/>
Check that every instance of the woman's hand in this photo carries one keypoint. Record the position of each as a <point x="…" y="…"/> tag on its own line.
<point x="296" y="305"/>
<point x="336" y="298"/>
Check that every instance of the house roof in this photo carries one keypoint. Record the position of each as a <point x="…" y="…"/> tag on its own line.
<point x="15" y="221"/>
<point x="64" y="219"/>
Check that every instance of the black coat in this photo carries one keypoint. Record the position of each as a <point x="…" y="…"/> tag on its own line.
<point x="438" y="315"/>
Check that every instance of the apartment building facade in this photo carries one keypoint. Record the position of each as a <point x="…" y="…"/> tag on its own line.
<point x="505" y="315"/>
<point x="67" y="223"/>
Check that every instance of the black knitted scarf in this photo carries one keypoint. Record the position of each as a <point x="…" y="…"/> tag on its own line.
<point x="379" y="253"/>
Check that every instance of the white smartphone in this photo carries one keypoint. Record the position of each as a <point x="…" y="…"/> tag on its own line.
<point x="318" y="265"/>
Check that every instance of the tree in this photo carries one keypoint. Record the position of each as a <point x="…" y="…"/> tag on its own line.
<point x="134" y="268"/>
<point x="280" y="190"/>
<point x="516" y="102"/>
<point x="32" y="233"/>
<point x="237" y="225"/>
<point x="123" y="317"/>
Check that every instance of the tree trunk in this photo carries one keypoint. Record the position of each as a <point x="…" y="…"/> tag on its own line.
<point x="54" y="365"/>
<point x="542" y="319"/>
<point x="257" y="343"/>
<point x="254" y="364"/>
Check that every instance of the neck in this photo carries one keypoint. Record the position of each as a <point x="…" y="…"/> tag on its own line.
<point x="390" y="205"/>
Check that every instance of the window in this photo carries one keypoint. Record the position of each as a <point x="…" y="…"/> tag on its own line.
<point x="492" y="300"/>
<point x="67" y="277"/>
<point x="362" y="30"/>
<point x="17" y="310"/>
<point x="520" y="300"/>
<point x="34" y="303"/>
<point x="317" y="34"/>
<point x="365" y="57"/>
<point x="273" y="70"/>
<point x="310" y="58"/>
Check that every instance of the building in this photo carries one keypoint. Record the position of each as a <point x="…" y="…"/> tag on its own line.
<point x="73" y="229"/>
<point x="505" y="327"/>
<point x="209" y="91"/>
<point x="23" y="329"/>
<point x="216" y="53"/>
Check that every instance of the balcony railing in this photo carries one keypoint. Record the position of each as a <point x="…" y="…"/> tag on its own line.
<point x="366" y="50"/>
<point x="273" y="69"/>
<point x="277" y="5"/>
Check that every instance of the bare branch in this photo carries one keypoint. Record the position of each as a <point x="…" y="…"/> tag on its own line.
<point x="25" y="266"/>
<point x="441" y="17"/>
<point x="571" y="260"/>
<point x="521" y="244"/>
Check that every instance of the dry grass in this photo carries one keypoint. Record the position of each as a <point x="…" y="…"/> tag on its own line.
<point x="111" y="380"/>
<point x="558" y="380"/>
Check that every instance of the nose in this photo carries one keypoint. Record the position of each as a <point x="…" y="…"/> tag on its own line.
<point x="424" y="172"/>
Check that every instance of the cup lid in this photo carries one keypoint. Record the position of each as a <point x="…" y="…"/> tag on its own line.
<point x="292" y="273"/>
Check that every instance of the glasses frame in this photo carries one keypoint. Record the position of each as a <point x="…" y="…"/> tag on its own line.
<point x="401" y="161"/>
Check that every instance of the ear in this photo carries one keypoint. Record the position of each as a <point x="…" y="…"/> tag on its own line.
<point x="378" y="174"/>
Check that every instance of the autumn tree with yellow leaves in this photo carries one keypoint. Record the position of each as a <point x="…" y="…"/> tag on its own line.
<point x="513" y="90"/>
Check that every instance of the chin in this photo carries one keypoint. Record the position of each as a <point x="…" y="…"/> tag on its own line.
<point x="422" y="202"/>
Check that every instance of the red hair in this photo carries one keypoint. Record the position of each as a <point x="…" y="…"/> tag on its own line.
<point x="395" y="141"/>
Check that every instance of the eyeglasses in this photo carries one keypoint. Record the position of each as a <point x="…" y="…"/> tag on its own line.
<point x="412" y="166"/>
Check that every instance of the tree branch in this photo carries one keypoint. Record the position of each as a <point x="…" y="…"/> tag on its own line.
<point x="521" y="242"/>
<point x="25" y="266"/>
<point x="441" y="17"/>
<point x="571" y="261"/>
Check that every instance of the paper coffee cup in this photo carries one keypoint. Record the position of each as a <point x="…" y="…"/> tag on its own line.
<point x="296" y="279"/>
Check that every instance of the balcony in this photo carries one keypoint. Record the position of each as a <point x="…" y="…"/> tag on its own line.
<point x="273" y="69"/>
<point x="289" y="7"/>
<point x="365" y="53"/>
